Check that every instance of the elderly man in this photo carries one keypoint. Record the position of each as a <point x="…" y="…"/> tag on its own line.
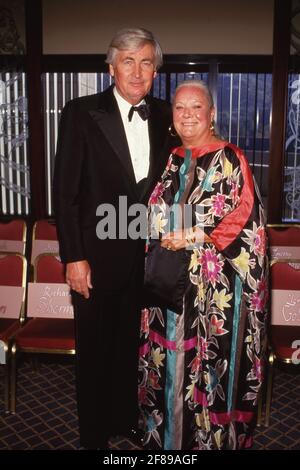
<point x="112" y="147"/>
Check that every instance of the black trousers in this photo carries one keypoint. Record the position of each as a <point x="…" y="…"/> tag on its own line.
<point x="107" y="334"/>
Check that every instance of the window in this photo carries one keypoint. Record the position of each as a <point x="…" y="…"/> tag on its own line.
<point x="59" y="88"/>
<point x="292" y="156"/>
<point x="14" y="169"/>
<point x="243" y="111"/>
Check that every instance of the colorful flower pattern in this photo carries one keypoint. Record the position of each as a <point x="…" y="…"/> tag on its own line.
<point x="212" y="352"/>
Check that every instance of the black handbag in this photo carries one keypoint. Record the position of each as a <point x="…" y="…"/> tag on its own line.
<point x="166" y="277"/>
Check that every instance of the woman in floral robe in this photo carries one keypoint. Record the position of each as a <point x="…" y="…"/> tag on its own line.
<point x="201" y="369"/>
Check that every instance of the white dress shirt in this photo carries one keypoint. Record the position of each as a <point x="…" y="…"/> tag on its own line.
<point x="137" y="137"/>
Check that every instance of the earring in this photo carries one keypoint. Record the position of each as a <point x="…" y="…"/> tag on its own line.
<point x="172" y="131"/>
<point x="212" y="127"/>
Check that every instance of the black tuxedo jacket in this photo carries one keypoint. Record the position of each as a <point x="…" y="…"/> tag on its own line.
<point x="93" y="167"/>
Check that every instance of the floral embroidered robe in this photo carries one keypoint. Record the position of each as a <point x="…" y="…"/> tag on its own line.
<point x="200" y="370"/>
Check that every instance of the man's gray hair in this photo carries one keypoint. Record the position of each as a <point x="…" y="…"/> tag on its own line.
<point x="198" y="84"/>
<point x="133" y="39"/>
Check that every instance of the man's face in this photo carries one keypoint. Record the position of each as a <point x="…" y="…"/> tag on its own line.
<point x="133" y="72"/>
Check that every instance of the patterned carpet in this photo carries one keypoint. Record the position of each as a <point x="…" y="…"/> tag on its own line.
<point x="46" y="411"/>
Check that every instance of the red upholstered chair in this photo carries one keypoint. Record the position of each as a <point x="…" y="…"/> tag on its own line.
<point x="51" y="328"/>
<point x="13" y="236"/>
<point x="285" y="319"/>
<point x="284" y="243"/>
<point x="13" y="271"/>
<point x="44" y="238"/>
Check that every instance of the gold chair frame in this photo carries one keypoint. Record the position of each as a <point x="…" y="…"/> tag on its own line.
<point x="7" y="345"/>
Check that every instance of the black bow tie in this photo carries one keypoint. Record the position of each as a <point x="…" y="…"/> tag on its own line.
<point x="143" y="110"/>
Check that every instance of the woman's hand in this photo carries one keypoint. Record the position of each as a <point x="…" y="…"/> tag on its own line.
<point x="184" y="238"/>
<point x="174" y="240"/>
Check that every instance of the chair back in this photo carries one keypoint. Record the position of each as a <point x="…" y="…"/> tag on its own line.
<point x="49" y="268"/>
<point x="44" y="239"/>
<point x="44" y="230"/>
<point x="284" y="240"/>
<point x="13" y="273"/>
<point x="13" y="236"/>
<point x="285" y="292"/>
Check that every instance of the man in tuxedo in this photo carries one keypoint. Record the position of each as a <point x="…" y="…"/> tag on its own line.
<point x="111" y="145"/>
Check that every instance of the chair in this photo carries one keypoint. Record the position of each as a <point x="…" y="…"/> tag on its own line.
<point x="44" y="238"/>
<point x="13" y="236"/>
<point x="285" y="319"/>
<point x="284" y="243"/>
<point x="51" y="328"/>
<point x="284" y="240"/>
<point x="13" y="272"/>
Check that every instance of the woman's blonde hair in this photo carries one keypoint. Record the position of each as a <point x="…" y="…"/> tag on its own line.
<point x="199" y="84"/>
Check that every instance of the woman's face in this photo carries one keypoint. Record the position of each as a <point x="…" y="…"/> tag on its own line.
<point x="192" y="116"/>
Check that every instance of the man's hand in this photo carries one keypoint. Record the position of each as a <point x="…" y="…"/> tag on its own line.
<point x="78" y="277"/>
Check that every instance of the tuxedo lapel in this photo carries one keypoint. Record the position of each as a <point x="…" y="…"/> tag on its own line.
<point x="109" y="121"/>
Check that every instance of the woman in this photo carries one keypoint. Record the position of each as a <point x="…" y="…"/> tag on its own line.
<point x="201" y="368"/>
